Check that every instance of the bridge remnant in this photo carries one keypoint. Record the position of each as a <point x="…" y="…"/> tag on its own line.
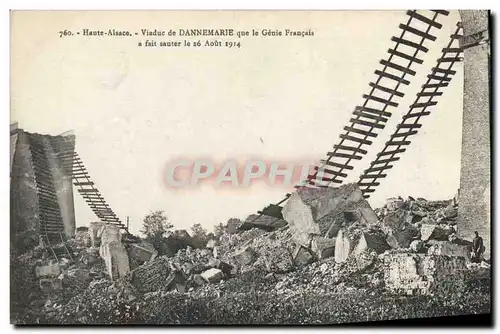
<point x="475" y="173"/>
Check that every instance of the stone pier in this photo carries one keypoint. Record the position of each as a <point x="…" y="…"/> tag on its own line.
<point x="475" y="174"/>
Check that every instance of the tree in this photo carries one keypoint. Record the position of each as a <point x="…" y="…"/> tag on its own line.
<point x="198" y="231"/>
<point x="156" y="224"/>
<point x="219" y="230"/>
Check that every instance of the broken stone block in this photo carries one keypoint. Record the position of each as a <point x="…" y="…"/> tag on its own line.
<point x="212" y="275"/>
<point x="450" y="212"/>
<point x="198" y="280"/>
<point x="312" y="211"/>
<point x="151" y="276"/>
<point x="110" y="233"/>
<point x="407" y="235"/>
<point x="395" y="203"/>
<point x="115" y="257"/>
<point x="141" y="253"/>
<point x="419" y="274"/>
<point x="428" y="231"/>
<point x="276" y="258"/>
<point x="180" y="287"/>
<point x="263" y="222"/>
<point x="358" y="240"/>
<point x="374" y="240"/>
<point x="82" y="238"/>
<point x="211" y="244"/>
<point x="302" y="257"/>
<point x="245" y="256"/>
<point x="417" y="246"/>
<point x="391" y="240"/>
<point x="448" y="248"/>
<point x="364" y="258"/>
<point x="50" y="285"/>
<point x="395" y="220"/>
<point x="51" y="269"/>
<point x="342" y="247"/>
<point x="323" y="247"/>
<point x="95" y="231"/>
<point x="226" y="268"/>
<point x="187" y="267"/>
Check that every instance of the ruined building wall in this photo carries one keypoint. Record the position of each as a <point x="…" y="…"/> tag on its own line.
<point x="474" y="196"/>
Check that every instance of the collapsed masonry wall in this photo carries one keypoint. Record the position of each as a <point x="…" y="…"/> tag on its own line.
<point x="25" y="191"/>
<point x="475" y="174"/>
<point x="24" y="220"/>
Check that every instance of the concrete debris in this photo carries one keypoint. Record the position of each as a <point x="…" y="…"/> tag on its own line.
<point x="95" y="231"/>
<point x="342" y="247"/>
<point x="322" y="247"/>
<point x="417" y="274"/>
<point x="142" y="252"/>
<point x="417" y="246"/>
<point x="198" y="280"/>
<point x="50" y="285"/>
<point x="449" y="249"/>
<point x="212" y="275"/>
<point x="211" y="244"/>
<point x="312" y="211"/>
<point x="395" y="203"/>
<point x="245" y="256"/>
<point x="50" y="269"/>
<point x="435" y="232"/>
<point x="302" y="257"/>
<point x="115" y="257"/>
<point x="275" y="257"/>
<point x="333" y="243"/>
<point x="263" y="222"/>
<point x="151" y="276"/>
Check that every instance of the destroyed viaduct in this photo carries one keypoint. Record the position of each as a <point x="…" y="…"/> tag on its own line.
<point x="42" y="167"/>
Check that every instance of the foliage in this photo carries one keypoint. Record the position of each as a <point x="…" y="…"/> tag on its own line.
<point x="219" y="230"/>
<point x="199" y="232"/>
<point x="156" y="225"/>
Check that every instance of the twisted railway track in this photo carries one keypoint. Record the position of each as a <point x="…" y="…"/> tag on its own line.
<point x="86" y="187"/>
<point x="439" y="78"/>
<point x="372" y="115"/>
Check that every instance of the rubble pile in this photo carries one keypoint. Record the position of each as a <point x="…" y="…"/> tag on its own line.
<point x="333" y="242"/>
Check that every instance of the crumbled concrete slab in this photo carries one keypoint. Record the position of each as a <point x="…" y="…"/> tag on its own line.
<point x="116" y="259"/>
<point x="152" y="275"/>
<point x="302" y="257"/>
<point x="312" y="211"/>
<point x="435" y="232"/>
<point x="323" y="247"/>
<point x="449" y="249"/>
<point x="245" y="256"/>
<point x="51" y="269"/>
<point x="141" y="253"/>
<point x="51" y="285"/>
<point x="419" y="274"/>
<point x="212" y="275"/>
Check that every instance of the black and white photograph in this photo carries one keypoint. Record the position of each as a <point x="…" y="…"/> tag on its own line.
<point x="250" y="167"/>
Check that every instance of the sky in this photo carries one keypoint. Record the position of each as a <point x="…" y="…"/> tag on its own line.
<point x="133" y="109"/>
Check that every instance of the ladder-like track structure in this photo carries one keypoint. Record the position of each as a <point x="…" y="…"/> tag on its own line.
<point x="439" y="78"/>
<point x="372" y="115"/>
<point x="49" y="212"/>
<point x="86" y="187"/>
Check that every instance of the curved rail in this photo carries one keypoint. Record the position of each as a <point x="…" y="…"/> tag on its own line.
<point x="439" y="77"/>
